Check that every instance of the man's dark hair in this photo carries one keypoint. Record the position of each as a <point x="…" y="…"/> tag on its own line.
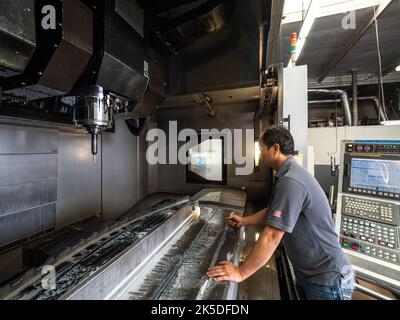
<point x="278" y="135"/>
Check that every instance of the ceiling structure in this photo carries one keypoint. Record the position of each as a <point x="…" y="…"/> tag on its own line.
<point x="332" y="51"/>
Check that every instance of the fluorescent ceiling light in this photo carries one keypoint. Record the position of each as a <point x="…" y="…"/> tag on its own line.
<point x="294" y="9"/>
<point x="320" y="8"/>
<point x="309" y="20"/>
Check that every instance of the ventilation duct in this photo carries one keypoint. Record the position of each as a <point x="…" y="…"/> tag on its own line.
<point x="377" y="105"/>
<point x="342" y="95"/>
<point x="179" y="23"/>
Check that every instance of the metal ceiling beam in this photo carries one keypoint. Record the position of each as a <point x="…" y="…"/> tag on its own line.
<point x="345" y="80"/>
<point x="387" y="70"/>
<point x="390" y="67"/>
<point x="353" y="41"/>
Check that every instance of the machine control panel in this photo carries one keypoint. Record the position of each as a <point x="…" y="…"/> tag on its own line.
<point x="371" y="232"/>
<point x="368" y="215"/>
<point x="385" y="148"/>
<point x="372" y="209"/>
<point x="371" y="227"/>
<point x="371" y="250"/>
<point x="372" y="169"/>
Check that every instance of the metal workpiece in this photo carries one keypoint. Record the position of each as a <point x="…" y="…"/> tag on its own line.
<point x="226" y="198"/>
<point x="115" y="270"/>
<point x="163" y="253"/>
<point x="85" y="251"/>
<point x="178" y="271"/>
<point x="87" y="260"/>
<point x="167" y="205"/>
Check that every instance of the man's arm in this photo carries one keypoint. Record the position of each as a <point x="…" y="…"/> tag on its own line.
<point x="263" y="250"/>
<point x="254" y="219"/>
<point x="257" y="218"/>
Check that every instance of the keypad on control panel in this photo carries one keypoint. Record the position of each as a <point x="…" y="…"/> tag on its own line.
<point x="370" y="209"/>
<point x="371" y="232"/>
<point x="371" y="250"/>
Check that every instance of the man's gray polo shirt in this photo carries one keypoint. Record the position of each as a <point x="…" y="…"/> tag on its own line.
<point x="299" y="206"/>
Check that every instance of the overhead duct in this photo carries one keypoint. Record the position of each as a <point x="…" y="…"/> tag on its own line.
<point x="343" y="98"/>
<point x="63" y="50"/>
<point x="17" y="36"/>
<point x="179" y="23"/>
<point x="377" y="105"/>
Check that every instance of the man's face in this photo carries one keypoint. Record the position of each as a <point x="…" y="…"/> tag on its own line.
<point x="269" y="154"/>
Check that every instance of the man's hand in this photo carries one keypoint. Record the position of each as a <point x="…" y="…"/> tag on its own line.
<point x="235" y="221"/>
<point x="225" y="271"/>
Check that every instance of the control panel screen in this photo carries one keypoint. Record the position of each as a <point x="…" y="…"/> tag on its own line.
<point x="375" y="174"/>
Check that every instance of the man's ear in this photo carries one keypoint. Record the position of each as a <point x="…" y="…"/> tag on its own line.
<point x="277" y="147"/>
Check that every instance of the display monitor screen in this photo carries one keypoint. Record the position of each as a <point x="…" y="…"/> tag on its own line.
<point x="375" y="174"/>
